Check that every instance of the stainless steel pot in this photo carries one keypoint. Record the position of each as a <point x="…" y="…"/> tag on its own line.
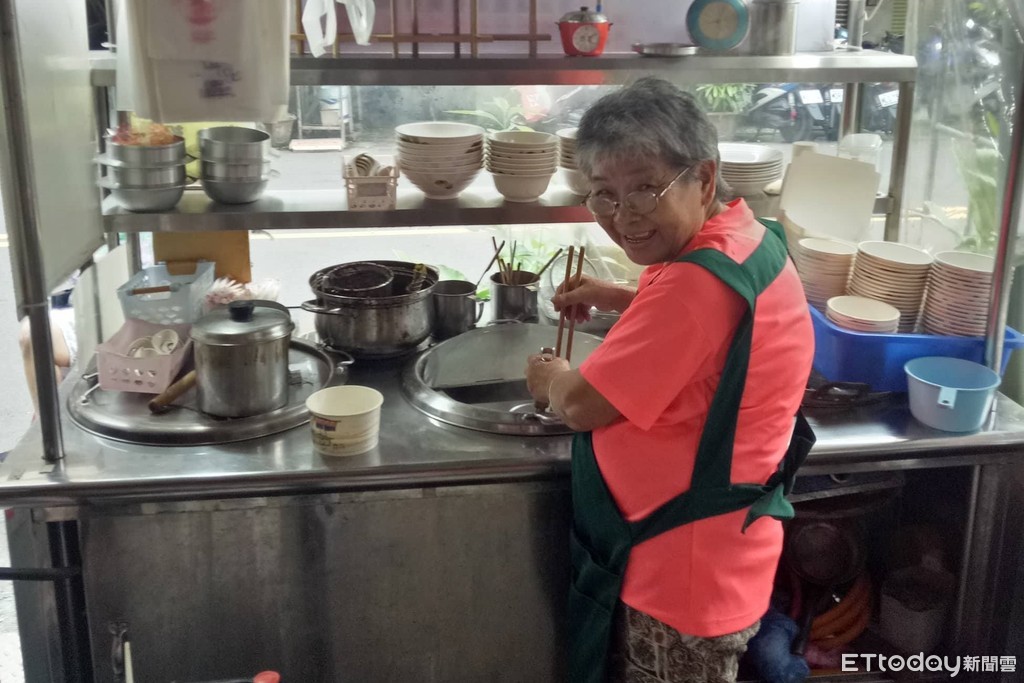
<point x="376" y="327"/>
<point x="142" y="177"/>
<point x="234" y="191"/>
<point x="242" y="358"/>
<point x="225" y="170"/>
<point x="233" y="144"/>
<point x="147" y="155"/>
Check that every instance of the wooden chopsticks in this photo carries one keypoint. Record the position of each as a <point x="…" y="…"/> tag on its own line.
<point x="570" y="284"/>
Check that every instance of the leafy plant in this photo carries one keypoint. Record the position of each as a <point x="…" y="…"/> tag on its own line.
<point x="730" y="98"/>
<point x="980" y="166"/>
<point x="498" y="114"/>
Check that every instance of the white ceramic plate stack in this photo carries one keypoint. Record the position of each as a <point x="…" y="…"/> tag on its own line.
<point x="522" y="163"/>
<point x="861" y="314"/>
<point x="894" y="273"/>
<point x="958" y="292"/>
<point x="441" y="158"/>
<point x="574" y="178"/>
<point x="824" y="267"/>
<point x="748" y="168"/>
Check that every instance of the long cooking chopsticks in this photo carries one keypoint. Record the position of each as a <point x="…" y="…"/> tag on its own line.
<point x="572" y="281"/>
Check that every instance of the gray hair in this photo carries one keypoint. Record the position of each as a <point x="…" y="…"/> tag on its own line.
<point x="650" y="119"/>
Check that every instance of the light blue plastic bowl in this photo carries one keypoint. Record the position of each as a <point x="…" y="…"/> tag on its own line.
<point x="950" y="394"/>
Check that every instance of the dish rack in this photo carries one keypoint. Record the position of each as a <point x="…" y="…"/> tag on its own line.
<point x="371" y="193"/>
<point x="117" y="371"/>
<point x="180" y="302"/>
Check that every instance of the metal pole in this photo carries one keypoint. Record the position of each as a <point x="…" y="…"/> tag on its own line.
<point x="900" y="152"/>
<point x="999" y="299"/>
<point x="851" y="108"/>
<point x="25" y="233"/>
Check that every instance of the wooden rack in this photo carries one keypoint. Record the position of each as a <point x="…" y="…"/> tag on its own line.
<point x="457" y="38"/>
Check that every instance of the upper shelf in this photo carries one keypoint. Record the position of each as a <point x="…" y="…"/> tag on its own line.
<point x="841" y="66"/>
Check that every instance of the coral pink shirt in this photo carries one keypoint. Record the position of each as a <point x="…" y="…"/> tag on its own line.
<point x="659" y="366"/>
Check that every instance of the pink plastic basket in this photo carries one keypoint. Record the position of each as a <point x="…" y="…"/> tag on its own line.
<point x="120" y="372"/>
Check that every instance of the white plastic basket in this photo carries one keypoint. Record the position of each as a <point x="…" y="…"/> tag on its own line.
<point x="120" y="372"/>
<point x="373" y="193"/>
<point x="183" y="305"/>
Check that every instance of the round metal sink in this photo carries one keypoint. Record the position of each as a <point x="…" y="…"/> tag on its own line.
<point x="478" y="380"/>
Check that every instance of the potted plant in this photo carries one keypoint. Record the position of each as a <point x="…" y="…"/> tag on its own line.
<point x="725" y="104"/>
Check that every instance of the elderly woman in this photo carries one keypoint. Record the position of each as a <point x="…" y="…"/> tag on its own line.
<point x="685" y="412"/>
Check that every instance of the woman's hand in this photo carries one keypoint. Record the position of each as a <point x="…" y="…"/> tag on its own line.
<point x="601" y="294"/>
<point x="540" y="370"/>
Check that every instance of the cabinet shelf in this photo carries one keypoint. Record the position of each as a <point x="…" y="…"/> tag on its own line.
<point x="864" y="66"/>
<point x="479" y="204"/>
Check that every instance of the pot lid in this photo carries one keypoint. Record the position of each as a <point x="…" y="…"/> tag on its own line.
<point x="585" y="16"/>
<point x="241" y="323"/>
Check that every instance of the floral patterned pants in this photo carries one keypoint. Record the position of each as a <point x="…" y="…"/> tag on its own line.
<point x="645" y="650"/>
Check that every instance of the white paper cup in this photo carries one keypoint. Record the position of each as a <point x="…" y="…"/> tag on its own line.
<point x="345" y="420"/>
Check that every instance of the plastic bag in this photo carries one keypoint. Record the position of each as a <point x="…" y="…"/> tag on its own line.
<point x="316" y="33"/>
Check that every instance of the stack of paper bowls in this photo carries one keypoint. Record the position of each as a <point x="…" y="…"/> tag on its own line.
<point x="862" y="314"/>
<point x="748" y="168"/>
<point x="441" y="158"/>
<point x="894" y="273"/>
<point x="522" y="163"/>
<point x="958" y="293"/>
<point x="824" y="267"/>
<point x="574" y="178"/>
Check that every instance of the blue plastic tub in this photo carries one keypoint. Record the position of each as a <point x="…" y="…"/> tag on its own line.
<point x="842" y="355"/>
<point x="950" y="394"/>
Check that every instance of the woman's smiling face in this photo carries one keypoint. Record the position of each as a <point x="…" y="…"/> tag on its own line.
<point x="660" y="235"/>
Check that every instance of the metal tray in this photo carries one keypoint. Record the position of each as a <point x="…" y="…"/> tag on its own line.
<point x="125" y="416"/>
<point x="664" y="49"/>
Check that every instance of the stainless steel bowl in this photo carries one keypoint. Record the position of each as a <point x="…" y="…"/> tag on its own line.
<point x="233" y="144"/>
<point x="223" y="170"/>
<point x="142" y="177"/>
<point x="234" y="191"/>
<point x="145" y="199"/>
<point x="143" y="155"/>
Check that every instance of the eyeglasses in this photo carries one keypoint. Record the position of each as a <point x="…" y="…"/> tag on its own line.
<point x="640" y="202"/>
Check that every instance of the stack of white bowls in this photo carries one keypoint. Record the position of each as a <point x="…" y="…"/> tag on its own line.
<point x="441" y="158"/>
<point x="145" y="177"/>
<point x="748" y="168"/>
<point x="861" y="314"/>
<point x="234" y="163"/>
<point x="522" y="163"/>
<point x="894" y="273"/>
<point x="574" y="178"/>
<point x="824" y="268"/>
<point x="958" y="293"/>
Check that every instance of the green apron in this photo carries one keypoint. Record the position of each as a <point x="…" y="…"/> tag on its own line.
<point x="601" y="539"/>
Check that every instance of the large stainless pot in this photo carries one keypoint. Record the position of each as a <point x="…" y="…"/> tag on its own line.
<point x="242" y="358"/>
<point x="378" y="326"/>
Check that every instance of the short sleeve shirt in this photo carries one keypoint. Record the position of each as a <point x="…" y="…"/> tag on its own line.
<point x="659" y="366"/>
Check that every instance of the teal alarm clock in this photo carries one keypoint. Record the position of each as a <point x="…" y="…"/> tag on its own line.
<point x="718" y="24"/>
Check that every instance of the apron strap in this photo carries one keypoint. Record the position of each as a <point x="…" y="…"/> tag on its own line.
<point x="711" y="492"/>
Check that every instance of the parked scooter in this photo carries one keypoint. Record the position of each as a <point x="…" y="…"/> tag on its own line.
<point x="799" y="111"/>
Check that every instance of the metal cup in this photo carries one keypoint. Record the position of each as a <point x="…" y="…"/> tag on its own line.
<point x="456" y="308"/>
<point x="516" y="301"/>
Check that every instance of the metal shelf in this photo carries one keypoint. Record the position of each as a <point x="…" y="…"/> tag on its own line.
<point x="479" y="204"/>
<point x="863" y="66"/>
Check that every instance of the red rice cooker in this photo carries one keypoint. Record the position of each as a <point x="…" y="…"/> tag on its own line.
<point x="584" y="33"/>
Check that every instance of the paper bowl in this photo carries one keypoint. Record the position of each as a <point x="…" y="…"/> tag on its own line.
<point x="345" y="420"/>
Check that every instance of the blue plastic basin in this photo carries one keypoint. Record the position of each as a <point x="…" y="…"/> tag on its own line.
<point x="950" y="394"/>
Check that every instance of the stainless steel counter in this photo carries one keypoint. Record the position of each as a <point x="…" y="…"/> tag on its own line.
<point x="416" y="451"/>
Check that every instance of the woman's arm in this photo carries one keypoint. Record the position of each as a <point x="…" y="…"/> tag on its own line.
<point x="603" y="295"/>
<point x="568" y="394"/>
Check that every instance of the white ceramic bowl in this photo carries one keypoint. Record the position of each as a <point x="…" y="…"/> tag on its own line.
<point x="522" y="165"/>
<point x="437" y="131"/>
<point x="441" y="185"/>
<point x="430" y="166"/>
<point x="522" y="138"/>
<point x="576" y="181"/>
<point x="863" y="309"/>
<point x="894" y="252"/>
<point x="526" y="188"/>
<point x="345" y="420"/>
<point x="522" y="171"/>
<point x="964" y="260"/>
